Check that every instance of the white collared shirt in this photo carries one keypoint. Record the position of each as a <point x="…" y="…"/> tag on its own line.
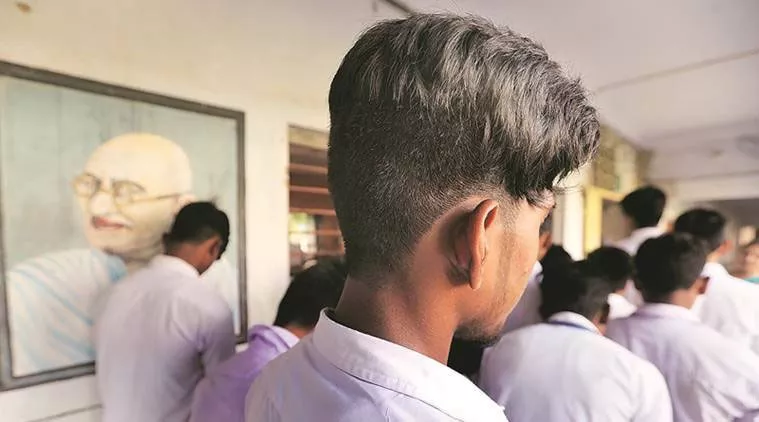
<point x="159" y="330"/>
<point x="637" y="237"/>
<point x="527" y="310"/>
<point x="551" y="372"/>
<point x="620" y="307"/>
<point x="339" y="374"/>
<point x="730" y="306"/>
<point x="710" y="377"/>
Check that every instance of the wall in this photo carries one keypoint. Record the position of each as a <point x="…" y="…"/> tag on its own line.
<point x="272" y="60"/>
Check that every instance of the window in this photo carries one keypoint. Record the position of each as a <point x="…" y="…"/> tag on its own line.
<point x="313" y="229"/>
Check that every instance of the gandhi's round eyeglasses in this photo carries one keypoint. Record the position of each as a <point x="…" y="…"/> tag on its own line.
<point x="123" y="192"/>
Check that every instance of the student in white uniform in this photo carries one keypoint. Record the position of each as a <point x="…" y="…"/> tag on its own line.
<point x="618" y="269"/>
<point x="564" y="369"/>
<point x="730" y="305"/>
<point x="642" y="209"/>
<point x="163" y="327"/>
<point x="444" y="147"/>
<point x="710" y="377"/>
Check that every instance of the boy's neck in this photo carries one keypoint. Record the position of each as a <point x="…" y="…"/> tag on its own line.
<point x="682" y="298"/>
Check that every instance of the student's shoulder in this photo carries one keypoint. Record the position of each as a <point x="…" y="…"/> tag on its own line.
<point x="618" y="326"/>
<point x="193" y="294"/>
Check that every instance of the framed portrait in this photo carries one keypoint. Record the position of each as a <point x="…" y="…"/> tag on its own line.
<point x="91" y="176"/>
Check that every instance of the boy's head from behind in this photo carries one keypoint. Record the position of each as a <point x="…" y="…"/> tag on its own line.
<point x="575" y="287"/>
<point x="614" y="264"/>
<point x="310" y="291"/>
<point x="669" y="269"/>
<point x="644" y="207"/>
<point x="706" y="225"/>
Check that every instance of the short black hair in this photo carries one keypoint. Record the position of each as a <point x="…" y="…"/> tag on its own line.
<point x="707" y="225"/>
<point x="616" y="266"/>
<point x="197" y="222"/>
<point x="644" y="206"/>
<point x="313" y="289"/>
<point x="556" y="257"/>
<point x="668" y="263"/>
<point x="429" y="110"/>
<point x="579" y="288"/>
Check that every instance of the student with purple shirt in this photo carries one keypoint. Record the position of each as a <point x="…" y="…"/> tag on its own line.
<point x="221" y="395"/>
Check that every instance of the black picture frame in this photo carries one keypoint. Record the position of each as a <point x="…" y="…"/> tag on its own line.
<point x="7" y="380"/>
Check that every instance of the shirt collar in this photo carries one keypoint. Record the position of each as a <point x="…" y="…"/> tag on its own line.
<point x="571" y="318"/>
<point x="713" y="270"/>
<point x="403" y="370"/>
<point x="646" y="233"/>
<point x="174" y="264"/>
<point x="666" y="310"/>
<point x="272" y="332"/>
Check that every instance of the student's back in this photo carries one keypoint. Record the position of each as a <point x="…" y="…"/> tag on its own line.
<point x="555" y="373"/>
<point x="148" y="369"/>
<point x="710" y="378"/>
<point x="729" y="305"/>
<point x="161" y="328"/>
<point x="564" y="369"/>
<point x="706" y="373"/>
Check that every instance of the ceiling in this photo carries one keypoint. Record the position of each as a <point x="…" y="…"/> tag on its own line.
<point x="664" y="73"/>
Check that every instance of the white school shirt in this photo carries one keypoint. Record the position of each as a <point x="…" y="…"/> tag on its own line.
<point x="555" y="372"/>
<point x="620" y="307"/>
<point x="159" y="330"/>
<point x="710" y="377"/>
<point x="632" y="243"/>
<point x="341" y="375"/>
<point x="527" y="310"/>
<point x="730" y="306"/>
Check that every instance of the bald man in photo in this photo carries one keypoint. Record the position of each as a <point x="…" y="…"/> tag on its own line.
<point x="128" y="193"/>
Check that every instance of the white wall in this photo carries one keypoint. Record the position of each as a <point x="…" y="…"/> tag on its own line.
<point x="272" y="60"/>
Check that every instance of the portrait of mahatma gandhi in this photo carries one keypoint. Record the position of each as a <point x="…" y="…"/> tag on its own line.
<point x="130" y="190"/>
<point x="127" y="193"/>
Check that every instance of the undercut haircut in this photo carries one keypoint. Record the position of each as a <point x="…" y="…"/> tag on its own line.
<point x="704" y="224"/>
<point x="614" y="264"/>
<point x="197" y="222"/>
<point x="579" y="288"/>
<point x="310" y="291"/>
<point x="432" y="109"/>
<point x="644" y="206"/>
<point x="669" y="263"/>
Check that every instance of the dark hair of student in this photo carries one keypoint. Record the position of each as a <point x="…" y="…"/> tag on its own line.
<point x="429" y="110"/>
<point x="556" y="257"/>
<point x="644" y="206"/>
<point x="614" y="264"/>
<point x="197" y="222"/>
<point x="578" y="288"/>
<point x="707" y="225"/>
<point x="310" y="291"/>
<point x="668" y="263"/>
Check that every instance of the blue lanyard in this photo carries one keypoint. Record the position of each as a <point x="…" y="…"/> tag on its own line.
<point x="570" y="325"/>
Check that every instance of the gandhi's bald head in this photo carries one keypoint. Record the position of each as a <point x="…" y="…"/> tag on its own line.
<point x="130" y="190"/>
